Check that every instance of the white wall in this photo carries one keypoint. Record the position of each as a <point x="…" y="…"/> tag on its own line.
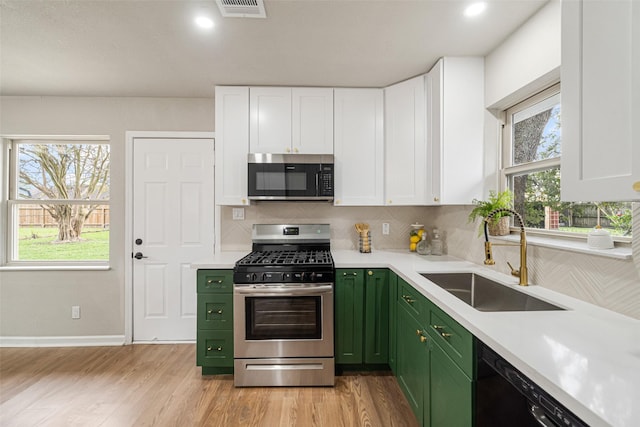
<point x="527" y="61"/>
<point x="39" y="303"/>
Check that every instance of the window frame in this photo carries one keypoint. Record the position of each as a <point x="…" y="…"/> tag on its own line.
<point x="10" y="199"/>
<point x="507" y="169"/>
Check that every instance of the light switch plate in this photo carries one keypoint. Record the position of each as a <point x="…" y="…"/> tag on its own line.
<point x="238" y="214"/>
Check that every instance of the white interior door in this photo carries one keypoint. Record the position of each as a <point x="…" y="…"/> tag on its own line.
<point x="173" y="226"/>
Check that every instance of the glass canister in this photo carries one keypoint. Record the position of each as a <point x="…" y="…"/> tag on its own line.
<point x="415" y="235"/>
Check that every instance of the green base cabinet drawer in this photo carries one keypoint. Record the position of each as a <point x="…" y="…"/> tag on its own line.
<point x="411" y="299"/>
<point x="214" y="348"/>
<point x="215" y="311"/>
<point x="215" y="281"/>
<point x="454" y="339"/>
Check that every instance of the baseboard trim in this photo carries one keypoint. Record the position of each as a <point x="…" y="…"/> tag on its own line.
<point x="79" y="341"/>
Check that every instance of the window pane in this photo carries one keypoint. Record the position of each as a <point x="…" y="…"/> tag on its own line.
<point x="537" y="132"/>
<point x="62" y="232"/>
<point x="63" y="171"/>
<point x="537" y="198"/>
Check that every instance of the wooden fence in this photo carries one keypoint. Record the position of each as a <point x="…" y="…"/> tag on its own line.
<point x="36" y="216"/>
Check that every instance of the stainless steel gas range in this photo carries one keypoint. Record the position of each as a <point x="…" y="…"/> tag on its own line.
<point x="283" y="308"/>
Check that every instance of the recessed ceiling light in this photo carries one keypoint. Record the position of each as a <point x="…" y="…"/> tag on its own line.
<point x="475" y="9"/>
<point x="204" y="22"/>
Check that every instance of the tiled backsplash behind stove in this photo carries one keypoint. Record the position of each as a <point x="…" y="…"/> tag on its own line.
<point x="236" y="235"/>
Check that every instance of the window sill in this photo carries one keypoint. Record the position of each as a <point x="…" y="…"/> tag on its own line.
<point x="620" y="251"/>
<point x="55" y="268"/>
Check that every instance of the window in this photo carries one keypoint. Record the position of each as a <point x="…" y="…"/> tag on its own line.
<point x="58" y="205"/>
<point x="531" y="157"/>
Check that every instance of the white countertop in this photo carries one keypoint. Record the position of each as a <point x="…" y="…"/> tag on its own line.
<point x="587" y="357"/>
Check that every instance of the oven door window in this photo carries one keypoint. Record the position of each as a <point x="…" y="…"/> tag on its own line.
<point x="272" y="318"/>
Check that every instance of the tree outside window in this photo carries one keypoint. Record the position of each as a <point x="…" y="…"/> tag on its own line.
<point x="533" y="173"/>
<point x="61" y="202"/>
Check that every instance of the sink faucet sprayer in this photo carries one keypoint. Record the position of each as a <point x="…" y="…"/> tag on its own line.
<point x="522" y="272"/>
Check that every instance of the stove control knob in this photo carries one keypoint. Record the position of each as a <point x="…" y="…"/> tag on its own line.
<point x="283" y="277"/>
<point x="265" y="276"/>
<point x="312" y="277"/>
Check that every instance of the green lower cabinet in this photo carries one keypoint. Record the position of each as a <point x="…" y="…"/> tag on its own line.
<point x="214" y="339"/>
<point x="412" y="363"/>
<point x="434" y="362"/>
<point x="362" y="317"/>
<point x="376" y="317"/>
<point x="393" y="310"/>
<point x="349" y="316"/>
<point x="451" y="397"/>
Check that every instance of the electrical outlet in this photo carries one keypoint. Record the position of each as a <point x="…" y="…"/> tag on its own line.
<point x="75" y="312"/>
<point x="385" y="228"/>
<point x="238" y="214"/>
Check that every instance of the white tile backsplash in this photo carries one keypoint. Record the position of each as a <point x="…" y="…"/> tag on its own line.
<point x="610" y="283"/>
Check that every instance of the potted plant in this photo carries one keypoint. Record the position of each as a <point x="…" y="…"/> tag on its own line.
<point x="499" y="225"/>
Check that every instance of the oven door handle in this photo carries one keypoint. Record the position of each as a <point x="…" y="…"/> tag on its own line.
<point x="283" y="291"/>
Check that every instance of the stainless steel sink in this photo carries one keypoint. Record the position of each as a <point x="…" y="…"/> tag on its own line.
<point x="486" y="295"/>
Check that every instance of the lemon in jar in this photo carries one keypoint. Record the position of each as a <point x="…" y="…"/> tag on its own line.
<point x="414" y="239"/>
<point x="412" y="247"/>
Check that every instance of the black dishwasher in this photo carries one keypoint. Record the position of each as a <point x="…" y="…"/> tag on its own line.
<point x="507" y="398"/>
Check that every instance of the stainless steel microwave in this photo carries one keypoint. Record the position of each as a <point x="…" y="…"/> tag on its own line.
<point x="290" y="177"/>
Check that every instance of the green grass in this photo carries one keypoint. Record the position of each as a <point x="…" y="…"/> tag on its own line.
<point x="38" y="244"/>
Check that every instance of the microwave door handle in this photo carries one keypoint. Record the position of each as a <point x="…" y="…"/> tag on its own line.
<point x="318" y="183"/>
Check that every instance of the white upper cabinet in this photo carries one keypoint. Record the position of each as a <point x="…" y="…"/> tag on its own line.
<point x="270" y="123"/>
<point x="359" y="147"/>
<point x="291" y="120"/>
<point x="232" y="144"/>
<point x="455" y="111"/>
<point x="312" y="123"/>
<point x="405" y="143"/>
<point x="600" y="100"/>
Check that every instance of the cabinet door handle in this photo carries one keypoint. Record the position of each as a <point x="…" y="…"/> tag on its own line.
<point x="437" y="327"/>
<point x="636" y="186"/>
<point x="370" y="273"/>
<point x="350" y="274"/>
<point x="210" y="281"/>
<point x="209" y="348"/>
<point x="423" y="338"/>
<point x="408" y="299"/>
<point x="211" y="311"/>
<point x="445" y="335"/>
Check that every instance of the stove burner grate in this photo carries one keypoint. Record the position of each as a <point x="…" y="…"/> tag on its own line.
<point x="299" y="257"/>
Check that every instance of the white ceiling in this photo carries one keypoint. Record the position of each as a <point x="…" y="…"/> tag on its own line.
<point x="152" y="48"/>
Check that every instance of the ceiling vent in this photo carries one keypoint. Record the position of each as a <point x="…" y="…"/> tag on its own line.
<point x="242" y="8"/>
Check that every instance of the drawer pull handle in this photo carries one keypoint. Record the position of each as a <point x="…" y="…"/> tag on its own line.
<point x="210" y="281"/>
<point x="437" y="327"/>
<point x="211" y="311"/>
<point x="445" y="335"/>
<point x="350" y="274"/>
<point x="408" y="299"/>
<point x="209" y="348"/>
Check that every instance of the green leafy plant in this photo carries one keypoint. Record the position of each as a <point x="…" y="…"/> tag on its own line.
<point x="482" y="208"/>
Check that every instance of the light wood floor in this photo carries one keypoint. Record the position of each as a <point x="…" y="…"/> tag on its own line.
<point x="159" y="385"/>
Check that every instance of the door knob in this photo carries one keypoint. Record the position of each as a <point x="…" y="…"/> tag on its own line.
<point x="139" y="255"/>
